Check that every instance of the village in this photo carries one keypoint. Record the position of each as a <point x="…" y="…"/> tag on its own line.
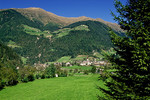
<point x="86" y="62"/>
<point x="100" y="64"/>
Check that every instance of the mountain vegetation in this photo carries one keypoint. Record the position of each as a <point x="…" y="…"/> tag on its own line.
<point x="8" y="58"/>
<point x="39" y="42"/>
<point x="82" y="41"/>
<point x="9" y="62"/>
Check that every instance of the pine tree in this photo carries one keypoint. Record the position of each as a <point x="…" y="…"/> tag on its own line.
<point x="131" y="79"/>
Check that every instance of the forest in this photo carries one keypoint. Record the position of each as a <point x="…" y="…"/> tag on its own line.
<point x="76" y="42"/>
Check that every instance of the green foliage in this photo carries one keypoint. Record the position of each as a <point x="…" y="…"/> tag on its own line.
<point x="81" y="41"/>
<point x="75" y="70"/>
<point x="106" y="54"/>
<point x="27" y="74"/>
<point x="9" y="61"/>
<point x="8" y="58"/>
<point x="14" y="30"/>
<point x="2" y="84"/>
<point x="37" y="76"/>
<point x="51" y="26"/>
<point x="8" y="76"/>
<point x="32" y="40"/>
<point x="86" y="72"/>
<point x="93" y="70"/>
<point x="63" y="73"/>
<point x="43" y="76"/>
<point x="50" y="70"/>
<point x="24" y="60"/>
<point x="131" y="81"/>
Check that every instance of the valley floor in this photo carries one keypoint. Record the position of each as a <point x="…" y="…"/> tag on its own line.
<point x="81" y="87"/>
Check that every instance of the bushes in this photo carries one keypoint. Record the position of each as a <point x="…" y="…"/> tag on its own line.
<point x="63" y="73"/>
<point x="31" y="77"/>
<point x="86" y="72"/>
<point x="37" y="76"/>
<point x="8" y="76"/>
<point x="50" y="71"/>
<point x="26" y="74"/>
<point x="43" y="76"/>
<point x="25" y="79"/>
<point x="93" y="70"/>
<point x="2" y="84"/>
<point x="28" y="78"/>
<point x="75" y="70"/>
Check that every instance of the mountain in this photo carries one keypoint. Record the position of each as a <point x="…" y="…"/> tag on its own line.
<point x="48" y="17"/>
<point x="40" y="36"/>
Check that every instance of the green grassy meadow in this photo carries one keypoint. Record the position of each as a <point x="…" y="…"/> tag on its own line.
<point x="35" y="31"/>
<point x="13" y="44"/>
<point x="64" y="59"/>
<point x="79" y="67"/>
<point x="62" y="88"/>
<point x="65" y="31"/>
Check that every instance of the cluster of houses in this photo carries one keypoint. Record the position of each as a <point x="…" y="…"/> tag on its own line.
<point x="86" y="62"/>
<point x="95" y="63"/>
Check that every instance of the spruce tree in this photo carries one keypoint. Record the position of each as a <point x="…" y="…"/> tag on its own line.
<point x="131" y="78"/>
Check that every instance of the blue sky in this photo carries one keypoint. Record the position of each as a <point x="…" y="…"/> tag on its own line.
<point x="68" y="8"/>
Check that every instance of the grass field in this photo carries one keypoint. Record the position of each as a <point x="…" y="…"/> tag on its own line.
<point x="79" y="67"/>
<point x="64" y="59"/>
<point x="69" y="59"/>
<point x="35" y="31"/>
<point x="81" y="57"/>
<point x="62" y="32"/>
<point x="62" y="88"/>
<point x="65" y="31"/>
<point x="13" y="44"/>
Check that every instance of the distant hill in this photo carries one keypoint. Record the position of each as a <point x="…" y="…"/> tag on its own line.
<point x="40" y="36"/>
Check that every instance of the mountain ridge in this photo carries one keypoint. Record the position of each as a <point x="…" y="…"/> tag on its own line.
<point x="46" y="17"/>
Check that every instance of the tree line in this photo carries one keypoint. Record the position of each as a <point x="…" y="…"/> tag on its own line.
<point x="12" y="70"/>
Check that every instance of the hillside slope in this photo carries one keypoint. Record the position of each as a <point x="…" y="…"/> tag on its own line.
<point x="40" y="43"/>
<point x="47" y="17"/>
<point x="8" y="58"/>
<point x="12" y="31"/>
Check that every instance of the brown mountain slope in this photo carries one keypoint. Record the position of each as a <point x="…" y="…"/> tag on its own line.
<point x="45" y="17"/>
<point x="114" y="26"/>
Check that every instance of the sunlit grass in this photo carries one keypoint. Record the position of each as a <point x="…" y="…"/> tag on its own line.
<point x="79" y="67"/>
<point x="62" y="88"/>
